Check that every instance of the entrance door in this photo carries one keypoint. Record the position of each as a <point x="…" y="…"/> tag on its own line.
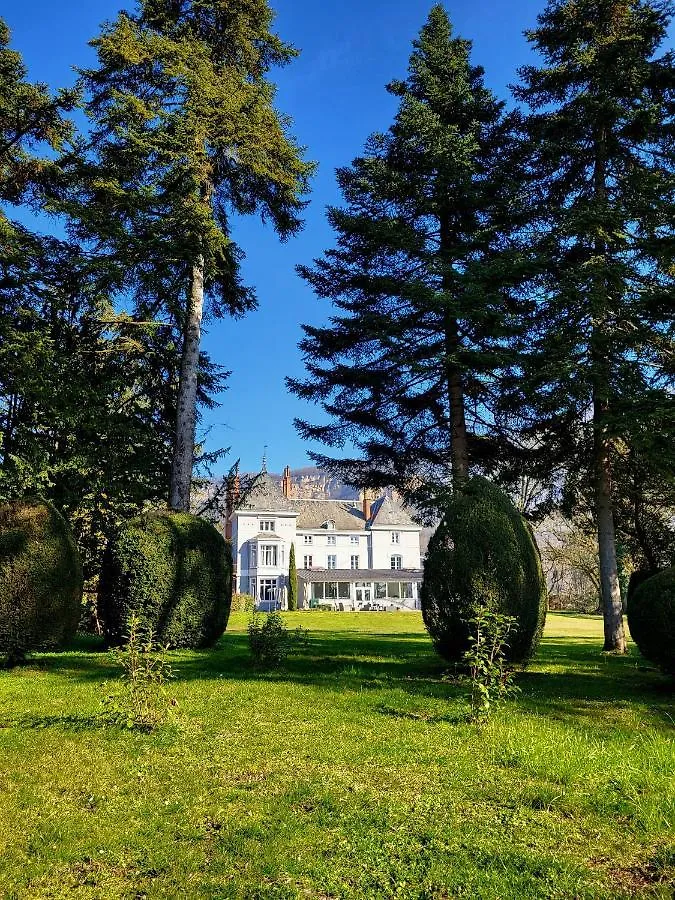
<point x="362" y="595"/>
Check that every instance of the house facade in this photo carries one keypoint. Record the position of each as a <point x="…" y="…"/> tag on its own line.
<point x="350" y="554"/>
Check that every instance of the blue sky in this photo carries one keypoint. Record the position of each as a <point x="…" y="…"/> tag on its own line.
<point x="335" y="94"/>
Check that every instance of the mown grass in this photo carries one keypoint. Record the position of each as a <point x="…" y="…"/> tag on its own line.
<point x="352" y="773"/>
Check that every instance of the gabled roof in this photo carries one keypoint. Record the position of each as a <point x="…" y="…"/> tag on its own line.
<point x="388" y="512"/>
<point x="265" y="496"/>
<point x="314" y="514"/>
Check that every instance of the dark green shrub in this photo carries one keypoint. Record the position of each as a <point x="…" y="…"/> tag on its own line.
<point x="242" y="603"/>
<point x="270" y="640"/>
<point x="173" y="571"/>
<point x="651" y="619"/>
<point x="292" y="581"/>
<point x="638" y="577"/>
<point x="483" y="554"/>
<point x="40" y="579"/>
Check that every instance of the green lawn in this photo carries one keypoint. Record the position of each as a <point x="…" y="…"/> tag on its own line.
<point x="351" y="774"/>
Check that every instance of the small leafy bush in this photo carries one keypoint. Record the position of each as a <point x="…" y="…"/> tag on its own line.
<point x="173" y="571"/>
<point x="651" y="619"/>
<point x="271" y="641"/>
<point x="483" y="554"/>
<point x="40" y="579"/>
<point x="139" y="700"/>
<point x="242" y="603"/>
<point x="489" y="675"/>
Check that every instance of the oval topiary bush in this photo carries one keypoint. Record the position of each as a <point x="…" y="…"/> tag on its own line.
<point x="174" y="570"/>
<point x="40" y="579"/>
<point x="482" y="554"/>
<point x="651" y="619"/>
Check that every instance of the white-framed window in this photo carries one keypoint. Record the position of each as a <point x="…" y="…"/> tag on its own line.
<point x="354" y="539"/>
<point x="267" y="525"/>
<point x="254" y="556"/>
<point x="269" y="555"/>
<point x="355" y="562"/>
<point x="396" y="537"/>
<point x="396" y="562"/>
<point x="331" y="540"/>
<point x="329" y="524"/>
<point x="307" y="563"/>
<point x="308" y="538"/>
<point x="268" y="590"/>
<point x="332" y="561"/>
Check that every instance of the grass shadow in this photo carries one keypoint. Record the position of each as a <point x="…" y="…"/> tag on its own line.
<point x="66" y="723"/>
<point x="429" y="718"/>
<point x="571" y="679"/>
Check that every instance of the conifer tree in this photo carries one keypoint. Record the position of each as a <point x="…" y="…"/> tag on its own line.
<point x="85" y="397"/>
<point x="185" y="134"/>
<point x="406" y="367"/>
<point x="598" y="364"/>
<point x="292" y="580"/>
<point x="29" y="117"/>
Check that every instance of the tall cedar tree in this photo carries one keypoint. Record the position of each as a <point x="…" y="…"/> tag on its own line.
<point x="406" y="368"/>
<point x="600" y="139"/>
<point x="30" y="121"/>
<point x="84" y="403"/>
<point x="185" y="134"/>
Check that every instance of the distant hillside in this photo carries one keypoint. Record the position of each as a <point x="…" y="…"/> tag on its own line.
<point x="312" y="484"/>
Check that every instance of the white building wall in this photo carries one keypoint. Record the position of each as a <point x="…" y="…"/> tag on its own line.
<point x="321" y="548"/>
<point x="247" y="526"/>
<point x="383" y="548"/>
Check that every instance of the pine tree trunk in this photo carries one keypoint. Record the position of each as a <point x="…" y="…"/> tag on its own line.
<point x="612" y="610"/>
<point x="186" y="418"/>
<point x="609" y="573"/>
<point x="459" y="445"/>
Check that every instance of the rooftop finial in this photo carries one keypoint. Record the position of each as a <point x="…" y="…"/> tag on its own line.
<point x="264" y="461"/>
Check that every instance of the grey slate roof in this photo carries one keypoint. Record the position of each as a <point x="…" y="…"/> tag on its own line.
<point x="314" y="513"/>
<point x="266" y="496"/>
<point x="368" y="575"/>
<point x="388" y="512"/>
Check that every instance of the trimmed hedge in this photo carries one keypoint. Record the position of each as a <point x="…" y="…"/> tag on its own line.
<point x="651" y="619"/>
<point x="174" y="570"/>
<point x="40" y="579"/>
<point x="482" y="554"/>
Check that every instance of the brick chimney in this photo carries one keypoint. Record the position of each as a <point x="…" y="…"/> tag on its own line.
<point x="286" y="483"/>
<point x="367" y="503"/>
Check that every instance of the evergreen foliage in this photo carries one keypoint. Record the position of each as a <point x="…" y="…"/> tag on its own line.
<point x="651" y="619"/>
<point x="596" y="364"/>
<point x="29" y="117"/>
<point x="174" y="572"/>
<point x="406" y="367"/>
<point x="40" y="579"/>
<point x="184" y="135"/>
<point x="87" y="406"/>
<point x="292" y="580"/>
<point x="482" y="555"/>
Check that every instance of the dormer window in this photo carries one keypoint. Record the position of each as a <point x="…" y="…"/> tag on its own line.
<point x="329" y="524"/>
<point x="267" y="525"/>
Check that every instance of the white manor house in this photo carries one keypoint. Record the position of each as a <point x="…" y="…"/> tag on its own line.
<point x="350" y="554"/>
